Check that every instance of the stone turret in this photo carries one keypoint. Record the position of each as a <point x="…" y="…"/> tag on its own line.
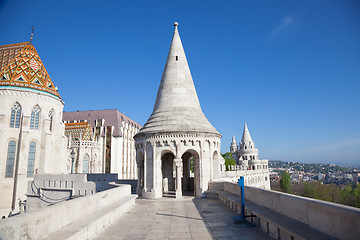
<point x="176" y="132"/>
<point x="247" y="152"/>
<point x="233" y="146"/>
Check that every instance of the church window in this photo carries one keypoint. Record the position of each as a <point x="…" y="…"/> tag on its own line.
<point x="15" y="116"/>
<point x="177" y="58"/>
<point x="85" y="163"/>
<point x="34" y="121"/>
<point x="245" y="147"/>
<point x="51" y="116"/>
<point x="10" y="160"/>
<point x="31" y="160"/>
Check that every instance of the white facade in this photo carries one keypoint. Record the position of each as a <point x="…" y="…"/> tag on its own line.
<point x="113" y="134"/>
<point x="50" y="142"/>
<point x="248" y="164"/>
<point x="83" y="151"/>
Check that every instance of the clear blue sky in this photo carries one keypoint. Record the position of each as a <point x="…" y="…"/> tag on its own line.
<point x="290" y="69"/>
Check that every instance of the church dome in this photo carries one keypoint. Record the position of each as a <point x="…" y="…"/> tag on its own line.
<point x="22" y="68"/>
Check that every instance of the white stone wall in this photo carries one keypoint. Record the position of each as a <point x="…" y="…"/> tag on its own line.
<point x="50" y="155"/>
<point x="125" y="154"/>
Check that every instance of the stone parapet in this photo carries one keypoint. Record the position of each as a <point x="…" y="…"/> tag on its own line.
<point x="38" y="224"/>
<point x="338" y="221"/>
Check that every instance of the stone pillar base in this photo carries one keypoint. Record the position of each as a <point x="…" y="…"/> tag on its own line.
<point x="139" y="191"/>
<point x="178" y="194"/>
<point x="152" y="194"/>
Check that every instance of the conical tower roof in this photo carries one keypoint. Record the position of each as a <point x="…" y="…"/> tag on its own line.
<point x="246" y="138"/>
<point x="177" y="107"/>
<point x="233" y="142"/>
<point x="21" y="67"/>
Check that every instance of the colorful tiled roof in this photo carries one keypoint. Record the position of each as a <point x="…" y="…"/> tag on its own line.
<point x="78" y="131"/>
<point x="21" y="66"/>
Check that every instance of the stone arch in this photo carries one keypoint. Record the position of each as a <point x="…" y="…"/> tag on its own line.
<point x="140" y="168"/>
<point x="167" y="170"/>
<point x="191" y="172"/>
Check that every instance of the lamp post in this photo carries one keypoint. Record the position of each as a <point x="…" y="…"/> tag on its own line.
<point x="72" y="160"/>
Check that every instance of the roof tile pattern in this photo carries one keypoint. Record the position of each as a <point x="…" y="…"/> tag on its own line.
<point x="78" y="131"/>
<point x="21" y="66"/>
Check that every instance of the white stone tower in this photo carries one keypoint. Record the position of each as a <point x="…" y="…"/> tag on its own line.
<point x="233" y="146"/>
<point x="247" y="153"/>
<point x="177" y="138"/>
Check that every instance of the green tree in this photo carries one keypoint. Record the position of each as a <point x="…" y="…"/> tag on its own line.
<point x="229" y="161"/>
<point x="285" y="182"/>
<point x="192" y="159"/>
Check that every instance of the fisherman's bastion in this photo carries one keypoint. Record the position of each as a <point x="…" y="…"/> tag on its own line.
<point x="98" y="174"/>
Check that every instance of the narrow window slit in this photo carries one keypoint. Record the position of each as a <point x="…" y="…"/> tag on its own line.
<point x="176" y="58"/>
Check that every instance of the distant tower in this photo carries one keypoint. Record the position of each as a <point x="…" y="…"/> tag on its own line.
<point x="233" y="146"/>
<point x="247" y="152"/>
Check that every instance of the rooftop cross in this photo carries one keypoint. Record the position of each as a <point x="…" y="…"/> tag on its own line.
<point x="32" y="33"/>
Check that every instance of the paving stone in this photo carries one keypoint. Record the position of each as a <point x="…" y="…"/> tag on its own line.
<point x="166" y="218"/>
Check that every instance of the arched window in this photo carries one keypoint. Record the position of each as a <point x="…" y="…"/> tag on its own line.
<point x="51" y="116"/>
<point x="10" y="160"/>
<point x="31" y="160"/>
<point x="15" y="116"/>
<point x="85" y="163"/>
<point x="34" y="121"/>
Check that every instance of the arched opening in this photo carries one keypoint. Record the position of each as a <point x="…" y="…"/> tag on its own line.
<point x="140" y="168"/>
<point x="191" y="173"/>
<point x="168" y="172"/>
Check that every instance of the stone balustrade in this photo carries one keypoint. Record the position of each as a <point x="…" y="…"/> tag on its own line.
<point x="336" y="220"/>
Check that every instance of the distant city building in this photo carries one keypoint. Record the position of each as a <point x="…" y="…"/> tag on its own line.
<point x="32" y="134"/>
<point x="248" y="164"/>
<point x="106" y="144"/>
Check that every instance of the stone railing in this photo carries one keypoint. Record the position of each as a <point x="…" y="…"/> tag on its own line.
<point x="84" y="143"/>
<point x="336" y="220"/>
<point x="40" y="223"/>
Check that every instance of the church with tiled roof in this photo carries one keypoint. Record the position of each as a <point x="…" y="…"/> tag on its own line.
<point x="32" y="133"/>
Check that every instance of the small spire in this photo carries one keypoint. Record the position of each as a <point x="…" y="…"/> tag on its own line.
<point x="246" y="135"/>
<point x="32" y="33"/>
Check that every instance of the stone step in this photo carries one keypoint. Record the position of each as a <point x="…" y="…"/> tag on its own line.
<point x="95" y="222"/>
<point x="170" y="194"/>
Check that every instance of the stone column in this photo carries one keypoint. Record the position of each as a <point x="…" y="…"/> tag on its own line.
<point x="178" y="165"/>
<point x="139" y="180"/>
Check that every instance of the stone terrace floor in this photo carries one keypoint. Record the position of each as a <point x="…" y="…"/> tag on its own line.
<point x="186" y="218"/>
